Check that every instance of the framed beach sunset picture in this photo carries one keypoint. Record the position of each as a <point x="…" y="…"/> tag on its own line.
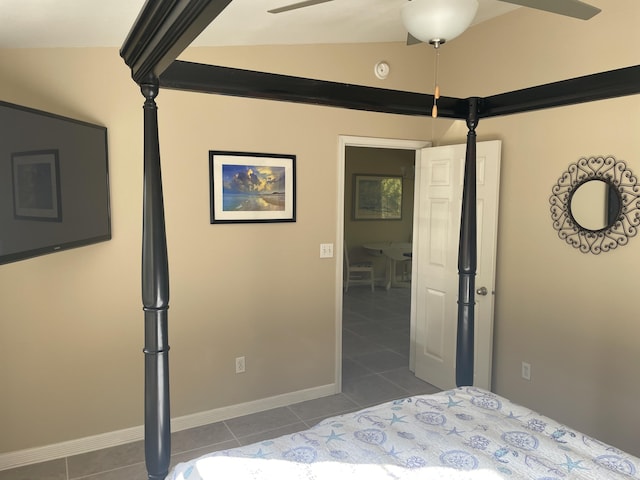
<point x="252" y="187"/>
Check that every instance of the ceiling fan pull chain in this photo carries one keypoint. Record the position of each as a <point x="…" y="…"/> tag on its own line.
<point x="436" y="87"/>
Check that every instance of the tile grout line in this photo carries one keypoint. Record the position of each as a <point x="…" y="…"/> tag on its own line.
<point x="93" y="475"/>
<point x="231" y="432"/>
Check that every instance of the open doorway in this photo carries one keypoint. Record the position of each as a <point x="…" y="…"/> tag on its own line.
<point x="374" y="328"/>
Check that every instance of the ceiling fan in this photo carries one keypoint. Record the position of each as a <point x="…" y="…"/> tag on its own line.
<point x="438" y="21"/>
<point x="426" y="19"/>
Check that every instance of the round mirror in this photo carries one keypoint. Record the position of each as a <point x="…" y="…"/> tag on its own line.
<point x="595" y="205"/>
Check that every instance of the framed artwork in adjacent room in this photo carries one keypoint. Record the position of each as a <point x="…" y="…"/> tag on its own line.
<point x="377" y="197"/>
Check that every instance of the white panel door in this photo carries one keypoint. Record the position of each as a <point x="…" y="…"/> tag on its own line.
<point x="439" y="178"/>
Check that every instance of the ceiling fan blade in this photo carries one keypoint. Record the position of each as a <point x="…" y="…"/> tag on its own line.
<point x="570" y="8"/>
<point x="295" y="6"/>
<point x="411" y="40"/>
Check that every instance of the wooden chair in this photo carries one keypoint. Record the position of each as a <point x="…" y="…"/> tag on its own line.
<point x="358" y="273"/>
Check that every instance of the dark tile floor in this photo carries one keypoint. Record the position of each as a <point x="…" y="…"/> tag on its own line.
<point x="375" y="369"/>
<point x="375" y="346"/>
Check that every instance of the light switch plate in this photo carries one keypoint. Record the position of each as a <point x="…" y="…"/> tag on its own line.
<point x="326" y="250"/>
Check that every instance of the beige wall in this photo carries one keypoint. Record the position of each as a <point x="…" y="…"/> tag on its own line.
<point x="71" y="323"/>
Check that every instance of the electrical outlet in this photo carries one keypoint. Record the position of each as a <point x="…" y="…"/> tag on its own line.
<point x="526" y="371"/>
<point x="240" y="365"/>
<point x="326" y="250"/>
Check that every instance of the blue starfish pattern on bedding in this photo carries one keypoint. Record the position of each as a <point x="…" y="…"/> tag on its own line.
<point x="465" y="433"/>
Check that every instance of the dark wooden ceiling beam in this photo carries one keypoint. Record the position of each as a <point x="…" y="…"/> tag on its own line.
<point x="203" y="78"/>
<point x="589" y="88"/>
<point x="197" y="77"/>
<point x="163" y="29"/>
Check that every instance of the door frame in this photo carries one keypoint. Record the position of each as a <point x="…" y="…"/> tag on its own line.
<point x="345" y="141"/>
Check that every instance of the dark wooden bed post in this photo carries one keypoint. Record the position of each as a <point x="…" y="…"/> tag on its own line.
<point x="155" y="297"/>
<point x="467" y="257"/>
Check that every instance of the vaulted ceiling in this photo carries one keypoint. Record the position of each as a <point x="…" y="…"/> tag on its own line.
<point x="90" y="23"/>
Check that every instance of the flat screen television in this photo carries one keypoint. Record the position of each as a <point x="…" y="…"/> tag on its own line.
<point x="54" y="183"/>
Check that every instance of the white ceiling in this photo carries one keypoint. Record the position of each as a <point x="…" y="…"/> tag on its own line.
<point x="105" y="23"/>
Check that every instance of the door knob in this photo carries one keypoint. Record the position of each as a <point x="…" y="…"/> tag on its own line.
<point x="482" y="291"/>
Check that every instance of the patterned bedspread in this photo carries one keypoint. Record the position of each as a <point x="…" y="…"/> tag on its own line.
<point x="465" y="433"/>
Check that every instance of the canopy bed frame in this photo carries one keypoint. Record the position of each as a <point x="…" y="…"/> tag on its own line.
<point x="163" y="29"/>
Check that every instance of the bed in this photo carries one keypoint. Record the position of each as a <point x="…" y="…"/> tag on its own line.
<point x="163" y="29"/>
<point x="465" y="433"/>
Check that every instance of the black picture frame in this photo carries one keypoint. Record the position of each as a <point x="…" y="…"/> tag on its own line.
<point x="36" y="186"/>
<point x="252" y="187"/>
<point x="377" y="197"/>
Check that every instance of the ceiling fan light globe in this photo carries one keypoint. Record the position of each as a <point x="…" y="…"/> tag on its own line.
<point x="438" y="20"/>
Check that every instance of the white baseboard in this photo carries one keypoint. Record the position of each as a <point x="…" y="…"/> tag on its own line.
<point x="111" y="439"/>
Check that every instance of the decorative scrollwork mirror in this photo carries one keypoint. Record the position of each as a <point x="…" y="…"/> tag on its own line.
<point x="595" y="206"/>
